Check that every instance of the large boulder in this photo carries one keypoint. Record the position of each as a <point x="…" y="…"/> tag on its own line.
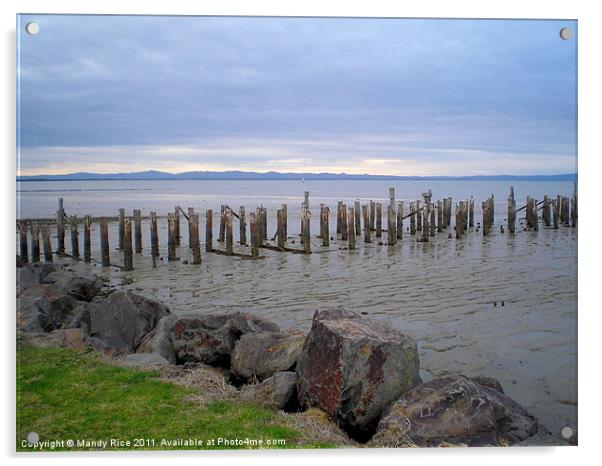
<point x="121" y="320"/>
<point x="278" y="391"/>
<point x="353" y="368"/>
<point x="261" y="354"/>
<point x="454" y="410"/>
<point x="33" y="274"/>
<point x="211" y="339"/>
<point x="83" y="288"/>
<point x="159" y="340"/>
<point x="43" y="308"/>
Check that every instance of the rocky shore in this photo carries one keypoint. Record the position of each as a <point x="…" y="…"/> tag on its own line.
<point x="359" y="376"/>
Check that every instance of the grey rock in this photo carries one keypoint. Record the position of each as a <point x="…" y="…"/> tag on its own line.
<point x="80" y="287"/>
<point x="261" y="354"/>
<point x="159" y="340"/>
<point x="278" y="391"/>
<point x="43" y="308"/>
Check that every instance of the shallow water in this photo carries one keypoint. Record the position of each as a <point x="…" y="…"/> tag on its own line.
<point x="442" y="293"/>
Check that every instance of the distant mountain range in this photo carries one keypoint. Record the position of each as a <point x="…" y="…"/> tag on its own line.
<point x="240" y="175"/>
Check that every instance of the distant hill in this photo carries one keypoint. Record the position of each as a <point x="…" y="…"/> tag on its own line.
<point x="240" y="175"/>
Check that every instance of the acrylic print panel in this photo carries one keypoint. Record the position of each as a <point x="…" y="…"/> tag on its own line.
<point x="263" y="232"/>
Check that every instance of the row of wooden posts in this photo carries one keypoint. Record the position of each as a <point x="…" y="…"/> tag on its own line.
<point x="426" y="217"/>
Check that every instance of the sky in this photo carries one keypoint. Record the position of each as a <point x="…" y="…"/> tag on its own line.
<point x="413" y="97"/>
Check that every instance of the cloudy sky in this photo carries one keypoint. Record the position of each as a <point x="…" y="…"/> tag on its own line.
<point x="380" y="96"/>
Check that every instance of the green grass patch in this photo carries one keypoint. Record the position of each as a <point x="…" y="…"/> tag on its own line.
<point x="67" y="395"/>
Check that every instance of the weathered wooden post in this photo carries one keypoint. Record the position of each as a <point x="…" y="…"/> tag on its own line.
<point x="351" y="223"/>
<point x="535" y="216"/>
<point x="426" y="214"/>
<point x="35" y="242"/>
<point x="419" y="216"/>
<point x="284" y="209"/>
<point x="433" y="222"/>
<point x="47" y="243"/>
<point x="222" y="225"/>
<point x="358" y="218"/>
<point x="449" y="211"/>
<point x="339" y="217"/>
<point x="60" y="228"/>
<point x="444" y="214"/>
<point x="471" y="212"/>
<point x="372" y="215"/>
<point x="121" y="228"/>
<point x="459" y="227"/>
<point x="574" y="207"/>
<point x="264" y="221"/>
<point x="254" y="234"/>
<point x="555" y="212"/>
<point x="565" y="211"/>
<point x="400" y="220"/>
<point x="74" y="238"/>
<point x="154" y="235"/>
<point x="366" y="213"/>
<point x="128" y="259"/>
<point x="379" y="220"/>
<point x="412" y="218"/>
<point x="242" y="223"/>
<point x="345" y="227"/>
<point x="193" y="219"/>
<point x="545" y="211"/>
<point x="171" y="237"/>
<point x="190" y="211"/>
<point x="229" y="236"/>
<point x="176" y="217"/>
<point x="324" y="230"/>
<point x="280" y="229"/>
<point x="138" y="231"/>
<point x="23" y="248"/>
<point x="511" y="212"/>
<point x="486" y="205"/>
<point x="305" y="228"/>
<point x="87" y="238"/>
<point x="391" y="227"/>
<point x="104" y="243"/>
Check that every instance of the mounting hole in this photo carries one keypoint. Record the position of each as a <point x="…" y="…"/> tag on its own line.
<point x="566" y="432"/>
<point x="32" y="28"/>
<point x="566" y="34"/>
<point x="33" y="437"/>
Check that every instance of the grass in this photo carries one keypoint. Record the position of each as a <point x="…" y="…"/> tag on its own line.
<point x="63" y="394"/>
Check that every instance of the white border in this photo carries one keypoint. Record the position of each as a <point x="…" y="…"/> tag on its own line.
<point x="590" y="126"/>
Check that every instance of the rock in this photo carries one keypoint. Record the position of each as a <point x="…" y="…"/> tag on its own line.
<point x="210" y="339"/>
<point x="262" y="354"/>
<point x="121" y="320"/>
<point x="488" y="382"/>
<point x="33" y="274"/>
<point x="143" y="360"/>
<point x="278" y="391"/>
<point x="454" y="410"/>
<point x="43" y="308"/>
<point x="353" y="368"/>
<point x="159" y="340"/>
<point x="73" y="338"/>
<point x="80" y="287"/>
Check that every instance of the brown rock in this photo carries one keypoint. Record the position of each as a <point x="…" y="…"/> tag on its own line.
<point x="278" y="391"/>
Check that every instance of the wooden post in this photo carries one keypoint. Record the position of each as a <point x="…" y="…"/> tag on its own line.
<point x="545" y="211"/>
<point x="372" y="215"/>
<point x="433" y="224"/>
<point x="344" y="224"/>
<point x="566" y="211"/>
<point x="46" y="243"/>
<point x="121" y="228"/>
<point x="412" y="218"/>
<point x="138" y="231"/>
<point x="209" y="231"/>
<point x="391" y="226"/>
<point x="280" y="228"/>
<point x="222" y="225"/>
<point x="418" y="217"/>
<point x="87" y="238"/>
<point x="556" y="212"/>
<point x="264" y="221"/>
<point x="104" y="243"/>
<point x="60" y="228"/>
<point x="176" y="218"/>
<point x="365" y="211"/>
<point x="24" y="253"/>
<point x="193" y="219"/>
<point x="444" y="214"/>
<point x="511" y="212"/>
<point x="284" y="209"/>
<point x="439" y="217"/>
<point x="400" y="220"/>
<point x="351" y="223"/>
<point x="471" y="212"/>
<point x="358" y="218"/>
<point x="535" y="216"/>
<point x="486" y="217"/>
<point x="459" y="227"/>
<point x="171" y="237"/>
<point x="449" y="211"/>
<point x="74" y="238"/>
<point x="574" y="207"/>
<point x="242" y="223"/>
<point x="229" y="236"/>
<point x="35" y="242"/>
<point x="190" y="213"/>
<point x="379" y="220"/>
<point x="339" y="221"/>
<point x="426" y="215"/>
<point x="128" y="259"/>
<point x="305" y="228"/>
<point x="392" y="202"/>
<point x="324" y="230"/>
<point x="154" y="234"/>
<point x="254" y="234"/>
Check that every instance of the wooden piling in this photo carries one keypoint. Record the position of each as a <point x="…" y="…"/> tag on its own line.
<point x="535" y="216"/>
<point x="23" y="248"/>
<point x="222" y="225"/>
<point x="74" y="238"/>
<point x="511" y="212"/>
<point x="264" y="226"/>
<point x="171" y="237"/>
<point x="176" y="218"/>
<point x="565" y="211"/>
<point x="418" y="217"/>
<point x="486" y="206"/>
<point x="121" y="228"/>
<point x="546" y="218"/>
<point x="449" y="211"/>
<point x="391" y="226"/>
<point x="229" y="235"/>
<point x="280" y="229"/>
<point x="87" y="238"/>
<point x="128" y="259"/>
<point x="426" y="215"/>
<point x="412" y="218"/>
<point x="60" y="228"/>
<point x="367" y="231"/>
<point x="35" y="242"/>
<point x="459" y="227"/>
<point x="439" y="216"/>
<point x="254" y="234"/>
<point x="305" y="229"/>
<point x="345" y="227"/>
<point x="47" y="244"/>
<point x="555" y="212"/>
<point x="284" y="209"/>
<point x="154" y="235"/>
<point x="242" y="224"/>
<point x="193" y="220"/>
<point x="379" y="220"/>
<point x="190" y="233"/>
<point x="358" y="218"/>
<point x="209" y="231"/>
<point x="138" y="231"/>
<point x="372" y="215"/>
<point x="471" y="212"/>
<point x="400" y="220"/>
<point x="104" y="243"/>
<point x="339" y="221"/>
<point x="324" y="227"/>
<point x="433" y="221"/>
<point x="351" y="223"/>
<point x="574" y="206"/>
